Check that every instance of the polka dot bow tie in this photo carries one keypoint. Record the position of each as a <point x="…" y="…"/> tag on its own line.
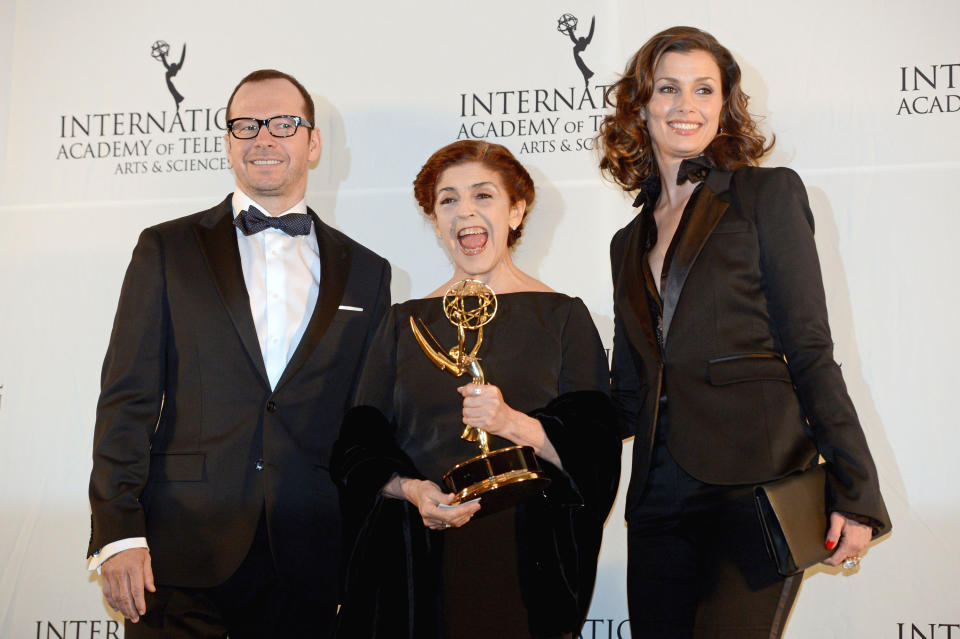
<point x="253" y="221"/>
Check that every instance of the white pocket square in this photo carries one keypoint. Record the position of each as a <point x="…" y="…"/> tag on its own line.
<point x="351" y="308"/>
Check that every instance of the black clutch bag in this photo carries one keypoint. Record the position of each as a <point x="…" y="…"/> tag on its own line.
<point x="793" y="516"/>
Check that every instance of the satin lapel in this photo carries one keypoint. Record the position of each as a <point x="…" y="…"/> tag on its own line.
<point x="632" y="296"/>
<point x="711" y="204"/>
<point x="218" y="244"/>
<point x="334" y="269"/>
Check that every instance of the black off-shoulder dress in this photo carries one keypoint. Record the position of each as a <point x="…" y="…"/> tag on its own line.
<point x="525" y="572"/>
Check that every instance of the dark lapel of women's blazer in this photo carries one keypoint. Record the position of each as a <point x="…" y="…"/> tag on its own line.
<point x="218" y="243"/>
<point x="711" y="204"/>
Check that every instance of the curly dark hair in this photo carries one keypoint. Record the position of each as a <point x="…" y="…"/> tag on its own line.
<point x="623" y="140"/>
<point x="496" y="157"/>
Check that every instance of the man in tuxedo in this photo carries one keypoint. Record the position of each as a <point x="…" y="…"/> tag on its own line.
<point x="235" y="350"/>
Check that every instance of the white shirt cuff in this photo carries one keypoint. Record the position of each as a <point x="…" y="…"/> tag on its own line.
<point x="113" y="548"/>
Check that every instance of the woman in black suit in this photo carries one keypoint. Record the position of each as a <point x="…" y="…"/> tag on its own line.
<point x="723" y="363"/>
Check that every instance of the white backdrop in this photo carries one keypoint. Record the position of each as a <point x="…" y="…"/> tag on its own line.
<point x="90" y="153"/>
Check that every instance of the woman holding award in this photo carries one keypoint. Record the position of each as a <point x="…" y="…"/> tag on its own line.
<point x="723" y="363"/>
<point x="508" y="547"/>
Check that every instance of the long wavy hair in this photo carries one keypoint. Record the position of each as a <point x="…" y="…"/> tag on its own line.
<point x="623" y="139"/>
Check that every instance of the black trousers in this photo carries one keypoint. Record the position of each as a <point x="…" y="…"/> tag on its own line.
<point x="697" y="566"/>
<point x="253" y="603"/>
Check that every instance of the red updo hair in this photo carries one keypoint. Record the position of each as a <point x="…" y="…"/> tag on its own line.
<point x="496" y="157"/>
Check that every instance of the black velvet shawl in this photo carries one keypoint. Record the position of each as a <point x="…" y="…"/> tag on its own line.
<point x="392" y="574"/>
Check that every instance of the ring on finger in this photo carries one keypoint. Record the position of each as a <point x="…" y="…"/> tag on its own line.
<point x="851" y="562"/>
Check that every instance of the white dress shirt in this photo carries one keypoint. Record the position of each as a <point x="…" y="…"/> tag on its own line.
<point x="282" y="276"/>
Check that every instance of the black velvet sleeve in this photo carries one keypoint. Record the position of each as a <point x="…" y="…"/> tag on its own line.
<point x="581" y="427"/>
<point x="364" y="459"/>
<point x="581" y="421"/>
<point x="366" y="456"/>
<point x="389" y="547"/>
<point x="561" y="556"/>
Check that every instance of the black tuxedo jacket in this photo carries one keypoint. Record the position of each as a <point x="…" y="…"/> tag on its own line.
<point x="190" y="444"/>
<point x="747" y="366"/>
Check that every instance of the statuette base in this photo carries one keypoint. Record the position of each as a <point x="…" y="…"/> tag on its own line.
<point x="502" y="478"/>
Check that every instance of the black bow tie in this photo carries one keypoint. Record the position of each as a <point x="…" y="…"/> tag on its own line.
<point x="694" y="169"/>
<point x="253" y="221"/>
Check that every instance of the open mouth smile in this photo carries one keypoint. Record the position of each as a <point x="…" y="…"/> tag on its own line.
<point x="472" y="240"/>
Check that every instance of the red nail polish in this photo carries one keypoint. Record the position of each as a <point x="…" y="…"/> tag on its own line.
<point x="830" y="544"/>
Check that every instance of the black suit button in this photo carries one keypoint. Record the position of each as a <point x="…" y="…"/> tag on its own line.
<point x="259" y="464"/>
<point x="272" y="406"/>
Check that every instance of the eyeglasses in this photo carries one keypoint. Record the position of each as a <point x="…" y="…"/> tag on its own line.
<point x="279" y="126"/>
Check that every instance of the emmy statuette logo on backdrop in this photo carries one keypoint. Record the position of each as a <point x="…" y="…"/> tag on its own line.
<point x="503" y="477"/>
<point x="159" y="51"/>
<point x="567" y="24"/>
<point x="531" y="117"/>
<point x="137" y="139"/>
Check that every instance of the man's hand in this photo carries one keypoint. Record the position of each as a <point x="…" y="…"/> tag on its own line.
<point x="125" y="575"/>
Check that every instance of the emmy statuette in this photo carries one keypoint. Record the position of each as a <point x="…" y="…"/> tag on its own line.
<point x="503" y="477"/>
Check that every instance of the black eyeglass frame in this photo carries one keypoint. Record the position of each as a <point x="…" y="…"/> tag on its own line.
<point x="298" y="122"/>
